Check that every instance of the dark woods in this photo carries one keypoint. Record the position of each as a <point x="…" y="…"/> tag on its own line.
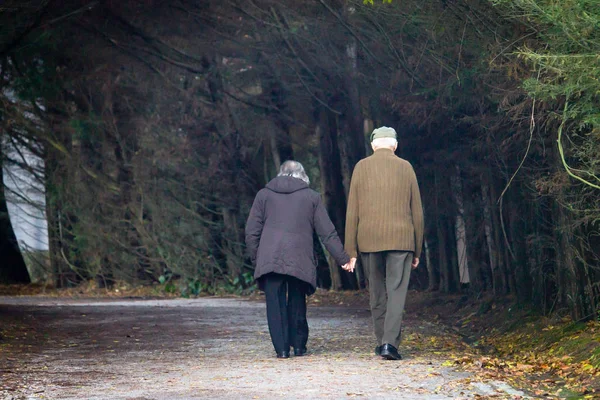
<point x="158" y="121"/>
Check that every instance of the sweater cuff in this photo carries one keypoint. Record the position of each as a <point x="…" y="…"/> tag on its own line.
<point x="352" y="253"/>
<point x="345" y="259"/>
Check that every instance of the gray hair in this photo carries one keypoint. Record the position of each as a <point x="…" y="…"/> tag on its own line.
<point x="293" y="169"/>
<point x="384" y="142"/>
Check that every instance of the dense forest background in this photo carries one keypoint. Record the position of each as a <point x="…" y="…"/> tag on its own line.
<point x="158" y="121"/>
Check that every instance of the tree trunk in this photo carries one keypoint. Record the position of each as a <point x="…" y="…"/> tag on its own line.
<point x="52" y="215"/>
<point x="124" y="147"/>
<point x="332" y="189"/>
<point x="432" y="281"/>
<point x="534" y="254"/>
<point x="588" y="287"/>
<point x="520" y="279"/>
<point x="566" y="266"/>
<point x="275" y="150"/>
<point x="454" y="284"/>
<point x="13" y="268"/>
<point x="488" y="227"/>
<point x="60" y="241"/>
<point x="231" y="162"/>
<point x="281" y="143"/>
<point x="460" y="229"/>
<point x="277" y="95"/>
<point x="233" y="242"/>
<point x="347" y="99"/>
<point x="443" y="262"/>
<point x="500" y="276"/>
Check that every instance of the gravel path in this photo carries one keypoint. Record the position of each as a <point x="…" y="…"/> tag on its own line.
<point x="211" y="348"/>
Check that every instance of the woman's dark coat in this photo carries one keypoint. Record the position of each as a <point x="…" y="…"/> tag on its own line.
<point x="279" y="231"/>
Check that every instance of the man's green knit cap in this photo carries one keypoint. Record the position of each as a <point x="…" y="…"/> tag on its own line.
<point x="383" y="132"/>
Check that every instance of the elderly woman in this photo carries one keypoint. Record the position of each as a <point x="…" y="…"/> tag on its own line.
<point x="279" y="238"/>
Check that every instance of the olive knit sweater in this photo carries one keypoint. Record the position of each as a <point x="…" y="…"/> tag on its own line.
<point x="384" y="206"/>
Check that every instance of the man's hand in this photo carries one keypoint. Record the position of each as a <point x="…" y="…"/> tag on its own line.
<point x="350" y="266"/>
<point x="415" y="262"/>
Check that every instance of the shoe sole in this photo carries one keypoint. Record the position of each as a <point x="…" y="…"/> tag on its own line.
<point x="391" y="357"/>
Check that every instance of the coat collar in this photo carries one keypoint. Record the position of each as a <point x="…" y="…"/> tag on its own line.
<point x="286" y="184"/>
<point x="383" y="152"/>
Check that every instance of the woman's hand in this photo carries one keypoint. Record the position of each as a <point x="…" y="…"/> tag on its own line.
<point x="350" y="265"/>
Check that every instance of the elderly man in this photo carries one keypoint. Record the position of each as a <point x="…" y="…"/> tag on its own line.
<point x="384" y="222"/>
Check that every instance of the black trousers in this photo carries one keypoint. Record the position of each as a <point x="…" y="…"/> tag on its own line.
<point x="286" y="311"/>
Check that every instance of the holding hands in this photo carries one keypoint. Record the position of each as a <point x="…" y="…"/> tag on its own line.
<point x="350" y="265"/>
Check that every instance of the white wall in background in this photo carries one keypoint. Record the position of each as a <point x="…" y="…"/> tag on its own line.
<point x="26" y="199"/>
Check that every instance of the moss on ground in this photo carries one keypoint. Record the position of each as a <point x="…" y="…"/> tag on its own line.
<point x="550" y="356"/>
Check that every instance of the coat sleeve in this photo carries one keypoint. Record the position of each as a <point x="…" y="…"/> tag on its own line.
<point x="254" y="226"/>
<point x="327" y="233"/>
<point x="416" y="208"/>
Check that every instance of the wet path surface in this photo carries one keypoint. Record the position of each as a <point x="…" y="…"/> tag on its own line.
<point x="212" y="348"/>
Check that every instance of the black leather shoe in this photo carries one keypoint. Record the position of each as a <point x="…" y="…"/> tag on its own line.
<point x="378" y="350"/>
<point x="283" y="354"/>
<point x="299" y="352"/>
<point x="389" y="352"/>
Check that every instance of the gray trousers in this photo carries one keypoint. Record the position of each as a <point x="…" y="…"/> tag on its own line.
<point x="388" y="273"/>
